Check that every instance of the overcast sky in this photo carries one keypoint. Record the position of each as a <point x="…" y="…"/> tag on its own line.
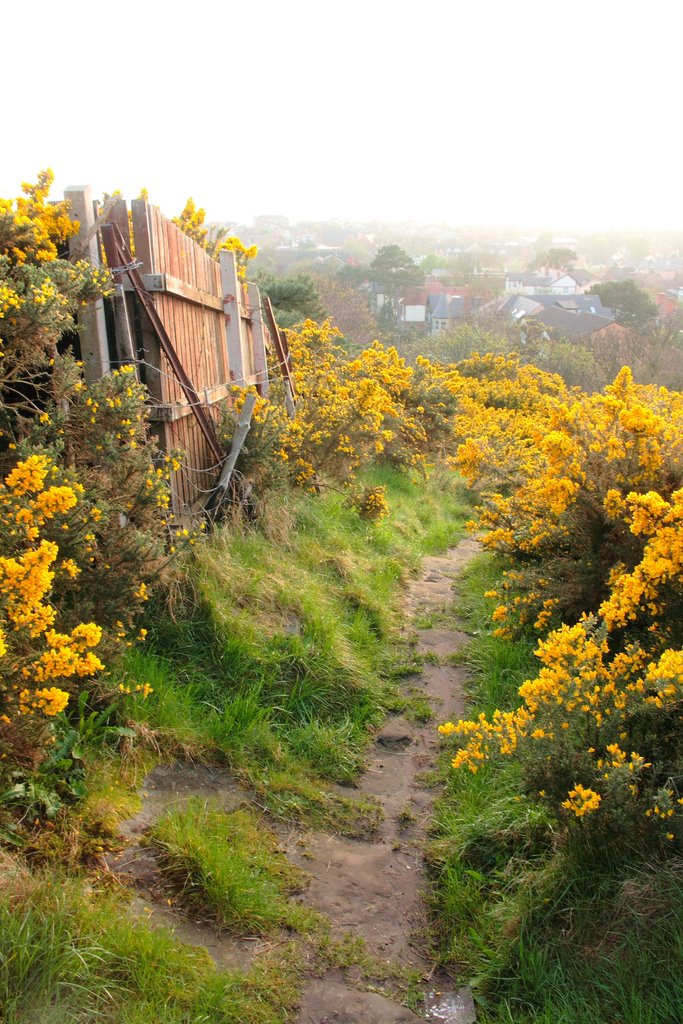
<point x="511" y="112"/>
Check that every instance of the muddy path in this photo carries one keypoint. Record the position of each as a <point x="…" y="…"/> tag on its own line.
<point x="369" y="889"/>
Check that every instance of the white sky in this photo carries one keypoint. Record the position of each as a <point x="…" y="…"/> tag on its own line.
<point x="565" y="114"/>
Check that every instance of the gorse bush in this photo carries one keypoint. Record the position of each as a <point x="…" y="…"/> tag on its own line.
<point x="582" y="497"/>
<point x="40" y="296"/>
<point x="36" y="655"/>
<point x="84" y="495"/>
<point x="350" y="412"/>
<point x="554" y="470"/>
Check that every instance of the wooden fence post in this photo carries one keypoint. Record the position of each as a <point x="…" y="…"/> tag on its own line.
<point x="123" y="304"/>
<point x="258" y="340"/>
<point x="239" y="437"/>
<point x="92" y="326"/>
<point x="231" y="310"/>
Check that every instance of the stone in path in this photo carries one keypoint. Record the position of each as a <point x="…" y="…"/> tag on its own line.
<point x="396" y="734"/>
<point x="330" y="1001"/>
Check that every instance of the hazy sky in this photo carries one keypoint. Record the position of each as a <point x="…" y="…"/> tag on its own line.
<point x="566" y="114"/>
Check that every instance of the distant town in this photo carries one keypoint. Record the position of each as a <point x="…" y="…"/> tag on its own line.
<point x="443" y="277"/>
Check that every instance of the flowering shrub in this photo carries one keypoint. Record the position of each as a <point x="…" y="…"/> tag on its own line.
<point x="597" y="736"/>
<point x="371" y="503"/>
<point x="349" y="412"/>
<point x="582" y="497"/>
<point x="554" y="481"/>
<point x="83" y="502"/>
<point x="191" y="222"/>
<point x="118" y="542"/>
<point x="38" y="500"/>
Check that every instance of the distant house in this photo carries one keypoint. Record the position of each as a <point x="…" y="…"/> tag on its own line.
<point x="573" y="324"/>
<point x="552" y="282"/>
<point x="412" y="307"/>
<point x="526" y="284"/>
<point x="447" y="312"/>
<point x="670" y="302"/>
<point x="582" y="277"/>
<point x="416" y="305"/>
<point x="571" y="316"/>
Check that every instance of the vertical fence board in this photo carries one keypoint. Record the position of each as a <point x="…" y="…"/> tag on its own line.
<point x="91" y="321"/>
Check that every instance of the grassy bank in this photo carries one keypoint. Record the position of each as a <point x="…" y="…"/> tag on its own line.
<point x="287" y="651"/>
<point x="280" y="655"/>
<point x="543" y="935"/>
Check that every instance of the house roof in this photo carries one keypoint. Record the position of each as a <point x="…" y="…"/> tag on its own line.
<point x="579" y="303"/>
<point x="520" y="304"/>
<point x="531" y="279"/>
<point x="414" y="297"/>
<point x="448" y="307"/>
<point x="580" y="276"/>
<point x="571" y="324"/>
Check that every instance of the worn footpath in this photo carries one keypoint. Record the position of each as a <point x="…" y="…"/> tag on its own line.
<point x="370" y="888"/>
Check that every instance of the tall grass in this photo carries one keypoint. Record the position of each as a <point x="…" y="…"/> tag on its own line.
<point x="230" y="865"/>
<point x="70" y="957"/>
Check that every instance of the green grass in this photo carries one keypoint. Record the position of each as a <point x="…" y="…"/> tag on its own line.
<point x="71" y="957"/>
<point x="543" y="936"/>
<point x="287" y="656"/>
<point x="230" y="865"/>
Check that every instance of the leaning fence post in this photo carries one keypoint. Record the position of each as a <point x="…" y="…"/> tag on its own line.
<point x="92" y="326"/>
<point x="238" y="439"/>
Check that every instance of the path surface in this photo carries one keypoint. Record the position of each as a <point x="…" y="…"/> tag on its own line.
<point x="370" y="889"/>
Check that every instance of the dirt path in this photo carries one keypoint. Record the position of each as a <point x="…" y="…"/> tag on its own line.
<point x="370" y="889"/>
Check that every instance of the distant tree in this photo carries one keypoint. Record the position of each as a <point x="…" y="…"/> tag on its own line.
<point x="465" y="268"/>
<point x="348" y="308"/>
<point x="394" y="270"/>
<point x="576" y="364"/>
<point x="294" y="298"/>
<point x="631" y="305"/>
<point x="544" y="241"/>
<point x="559" y="257"/>
<point x="354" y="274"/>
<point x="431" y="262"/>
<point x="600" y="248"/>
<point x="461" y="342"/>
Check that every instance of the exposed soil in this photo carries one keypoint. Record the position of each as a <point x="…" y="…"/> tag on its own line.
<point x="370" y="888"/>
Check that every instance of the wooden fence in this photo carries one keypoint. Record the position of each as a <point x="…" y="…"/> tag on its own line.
<point x="205" y="332"/>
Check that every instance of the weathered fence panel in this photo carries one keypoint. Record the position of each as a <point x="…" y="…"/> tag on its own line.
<point x="214" y="322"/>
